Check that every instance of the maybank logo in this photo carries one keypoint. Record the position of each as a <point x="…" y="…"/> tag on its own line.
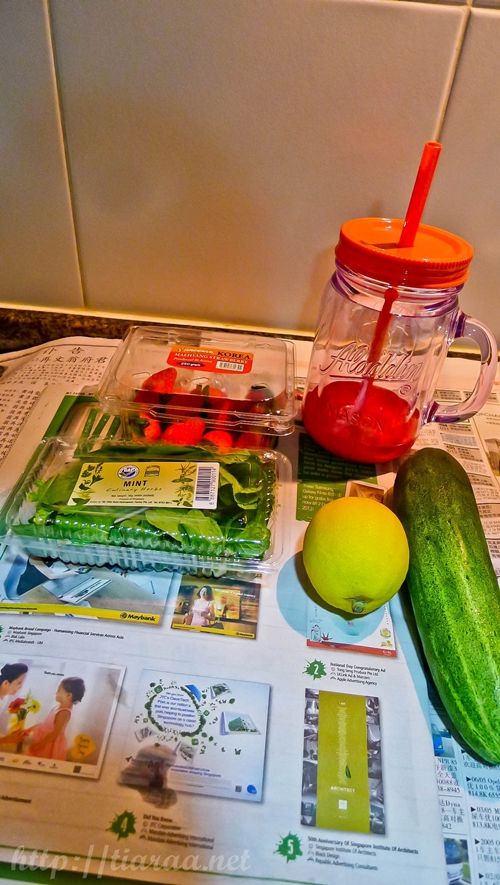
<point x="137" y="616"/>
<point x="128" y="471"/>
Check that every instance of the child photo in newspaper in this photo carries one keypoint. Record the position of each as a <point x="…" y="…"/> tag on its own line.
<point x="58" y="720"/>
<point x="12" y="678"/>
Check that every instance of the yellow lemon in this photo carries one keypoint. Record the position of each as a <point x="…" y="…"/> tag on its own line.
<point x="355" y="554"/>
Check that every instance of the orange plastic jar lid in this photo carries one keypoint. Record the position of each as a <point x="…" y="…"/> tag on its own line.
<point x="438" y="259"/>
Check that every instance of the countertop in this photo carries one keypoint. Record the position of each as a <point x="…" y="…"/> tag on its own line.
<point x="20" y="329"/>
<point x="26" y="328"/>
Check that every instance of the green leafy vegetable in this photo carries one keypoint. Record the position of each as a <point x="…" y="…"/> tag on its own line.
<point x="237" y="528"/>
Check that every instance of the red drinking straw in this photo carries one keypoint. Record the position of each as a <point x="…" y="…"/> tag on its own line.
<point x="421" y="188"/>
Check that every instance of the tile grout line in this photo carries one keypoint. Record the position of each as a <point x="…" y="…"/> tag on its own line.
<point x="67" y="165"/>
<point x="453" y="73"/>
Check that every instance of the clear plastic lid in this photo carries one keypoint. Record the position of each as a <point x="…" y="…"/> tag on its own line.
<point x="112" y="502"/>
<point x="240" y="384"/>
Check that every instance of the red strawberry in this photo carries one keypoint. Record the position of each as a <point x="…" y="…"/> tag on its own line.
<point x="219" y="438"/>
<point x="152" y="430"/>
<point x="146" y="396"/>
<point x="183" y="403"/>
<point x="251" y="439"/>
<point x="211" y="391"/>
<point x="219" y="405"/>
<point x="161" y="382"/>
<point x="185" y="433"/>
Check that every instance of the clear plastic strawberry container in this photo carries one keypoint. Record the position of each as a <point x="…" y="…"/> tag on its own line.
<point x="238" y="386"/>
<point x="115" y="502"/>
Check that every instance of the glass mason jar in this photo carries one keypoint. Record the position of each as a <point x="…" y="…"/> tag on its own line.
<point x="387" y="319"/>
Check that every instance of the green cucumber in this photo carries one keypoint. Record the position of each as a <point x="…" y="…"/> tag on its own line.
<point x="454" y="593"/>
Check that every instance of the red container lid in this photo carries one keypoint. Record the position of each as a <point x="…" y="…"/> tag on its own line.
<point x="437" y="259"/>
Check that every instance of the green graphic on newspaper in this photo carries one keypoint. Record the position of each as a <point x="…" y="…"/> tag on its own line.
<point x="289" y="847"/>
<point x="316" y="669"/>
<point x="123" y="825"/>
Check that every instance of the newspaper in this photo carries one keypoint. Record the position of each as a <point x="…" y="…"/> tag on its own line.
<point x="32" y="384"/>
<point x="246" y="744"/>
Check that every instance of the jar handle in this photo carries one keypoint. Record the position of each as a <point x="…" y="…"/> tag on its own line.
<point x="468" y="327"/>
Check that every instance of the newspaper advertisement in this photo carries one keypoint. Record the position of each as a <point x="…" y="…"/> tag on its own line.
<point x="264" y="740"/>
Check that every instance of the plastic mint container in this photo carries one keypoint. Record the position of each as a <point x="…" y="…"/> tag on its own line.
<point x="238" y="384"/>
<point x="183" y="508"/>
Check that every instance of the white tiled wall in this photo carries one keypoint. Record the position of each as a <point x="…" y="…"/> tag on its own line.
<point x="38" y="259"/>
<point x="193" y="159"/>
